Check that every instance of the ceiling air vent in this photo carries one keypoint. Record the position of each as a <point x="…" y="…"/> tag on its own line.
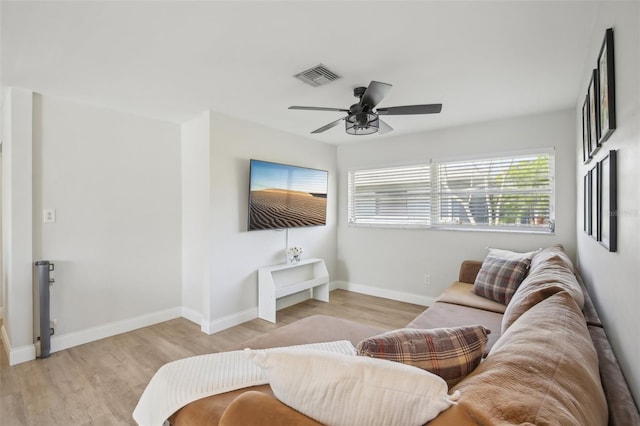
<point x="317" y="76"/>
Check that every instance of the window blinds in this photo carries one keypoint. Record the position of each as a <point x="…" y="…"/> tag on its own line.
<point x="504" y="192"/>
<point x="507" y="193"/>
<point x="391" y="196"/>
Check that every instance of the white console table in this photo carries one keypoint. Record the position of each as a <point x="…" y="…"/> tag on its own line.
<point x="278" y="281"/>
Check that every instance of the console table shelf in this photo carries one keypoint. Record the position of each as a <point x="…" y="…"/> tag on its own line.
<point x="283" y="280"/>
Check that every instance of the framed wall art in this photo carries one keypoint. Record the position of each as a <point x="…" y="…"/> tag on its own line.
<point x="586" y="132"/>
<point x="592" y="96"/>
<point x="593" y="203"/>
<point x="606" y="89"/>
<point x="587" y="203"/>
<point x="608" y="201"/>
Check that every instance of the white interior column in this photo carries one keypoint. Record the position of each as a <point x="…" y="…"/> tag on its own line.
<point x="17" y="224"/>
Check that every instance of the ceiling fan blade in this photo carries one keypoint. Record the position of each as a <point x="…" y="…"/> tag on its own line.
<point x="308" y="108"/>
<point x="374" y="93"/>
<point x="383" y="127"/>
<point x="410" y="109"/>
<point x="329" y="126"/>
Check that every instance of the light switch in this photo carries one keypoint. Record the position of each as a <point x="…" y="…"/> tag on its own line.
<point x="49" y="216"/>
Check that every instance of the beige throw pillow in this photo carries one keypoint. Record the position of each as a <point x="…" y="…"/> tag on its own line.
<point x="343" y="390"/>
<point x="511" y="255"/>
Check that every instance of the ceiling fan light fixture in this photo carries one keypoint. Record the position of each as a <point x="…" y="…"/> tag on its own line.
<point x="362" y="123"/>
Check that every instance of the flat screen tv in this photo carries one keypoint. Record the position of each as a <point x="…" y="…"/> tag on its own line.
<point x="285" y="196"/>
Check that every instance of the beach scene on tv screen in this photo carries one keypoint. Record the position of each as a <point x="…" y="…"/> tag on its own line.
<point x="284" y="196"/>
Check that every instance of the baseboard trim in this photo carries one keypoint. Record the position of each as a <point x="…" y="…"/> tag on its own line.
<point x="60" y="342"/>
<point x="6" y="343"/>
<point x="211" y="327"/>
<point x="192" y="315"/>
<point x="17" y="355"/>
<point x="228" y="321"/>
<point x="400" y="296"/>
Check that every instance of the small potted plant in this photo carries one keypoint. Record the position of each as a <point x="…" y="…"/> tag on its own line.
<point x="294" y="253"/>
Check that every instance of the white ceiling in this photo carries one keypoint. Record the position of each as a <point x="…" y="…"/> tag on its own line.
<point x="171" y="60"/>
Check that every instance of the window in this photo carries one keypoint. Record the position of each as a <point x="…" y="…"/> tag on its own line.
<point x="505" y="193"/>
<point x="390" y="196"/>
<point x="498" y="193"/>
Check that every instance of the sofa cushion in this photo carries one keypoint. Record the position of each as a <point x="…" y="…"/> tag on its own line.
<point x="313" y="329"/>
<point x="545" y="279"/>
<point x="343" y="390"/>
<point x="543" y="370"/>
<point x="499" y="278"/>
<point x="451" y="353"/>
<point x="442" y="314"/>
<point x="461" y="293"/>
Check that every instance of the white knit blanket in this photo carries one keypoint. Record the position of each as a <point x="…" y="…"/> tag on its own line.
<point x="180" y="382"/>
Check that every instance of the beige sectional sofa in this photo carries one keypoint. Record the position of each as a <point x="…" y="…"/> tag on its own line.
<point x="549" y="360"/>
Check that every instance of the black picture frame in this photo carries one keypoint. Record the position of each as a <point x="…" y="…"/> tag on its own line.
<point x="592" y="98"/>
<point x="586" y="132"/>
<point x="608" y="202"/>
<point x="606" y="89"/>
<point x="593" y="201"/>
<point x="587" y="203"/>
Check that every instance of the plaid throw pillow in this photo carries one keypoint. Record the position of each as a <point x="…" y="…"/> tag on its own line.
<point x="451" y="353"/>
<point x="499" y="278"/>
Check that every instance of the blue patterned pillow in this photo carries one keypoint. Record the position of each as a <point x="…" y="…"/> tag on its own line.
<point x="499" y="278"/>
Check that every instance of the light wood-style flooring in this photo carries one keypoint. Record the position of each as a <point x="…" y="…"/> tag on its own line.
<point x="99" y="383"/>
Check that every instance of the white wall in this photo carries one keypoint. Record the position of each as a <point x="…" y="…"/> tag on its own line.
<point x="613" y="277"/>
<point x="114" y="181"/>
<point x="2" y="288"/>
<point x="195" y="217"/>
<point x="235" y="253"/>
<point x="393" y="262"/>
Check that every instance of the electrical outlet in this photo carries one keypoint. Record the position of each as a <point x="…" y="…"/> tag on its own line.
<point x="427" y="279"/>
<point x="49" y="216"/>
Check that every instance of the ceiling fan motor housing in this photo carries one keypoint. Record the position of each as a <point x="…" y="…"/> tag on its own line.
<point x="363" y="118"/>
<point x="362" y="123"/>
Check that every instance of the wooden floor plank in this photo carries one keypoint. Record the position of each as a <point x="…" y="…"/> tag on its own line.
<point x="99" y="383"/>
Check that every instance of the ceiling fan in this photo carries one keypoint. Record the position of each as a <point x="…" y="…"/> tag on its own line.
<point x="362" y="117"/>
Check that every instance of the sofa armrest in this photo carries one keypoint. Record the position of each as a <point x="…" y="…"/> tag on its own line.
<point x="258" y="409"/>
<point x="469" y="270"/>
<point x="622" y="408"/>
